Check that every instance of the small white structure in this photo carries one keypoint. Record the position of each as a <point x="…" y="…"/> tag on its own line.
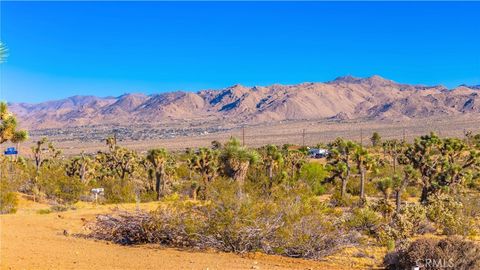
<point x="97" y="191"/>
<point x="318" y="152"/>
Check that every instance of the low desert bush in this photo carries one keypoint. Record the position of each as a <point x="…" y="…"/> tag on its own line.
<point x="288" y="223"/>
<point x="412" y="191"/>
<point x="364" y="219"/>
<point x="313" y="174"/>
<point x="411" y="221"/>
<point x="55" y="208"/>
<point x="447" y="213"/>
<point x="44" y="211"/>
<point x="57" y="186"/>
<point x="336" y="200"/>
<point x="434" y="254"/>
<point x="117" y="191"/>
<point x="11" y="179"/>
<point x="8" y="202"/>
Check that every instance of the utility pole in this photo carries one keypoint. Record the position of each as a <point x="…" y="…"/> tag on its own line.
<point x="361" y="137"/>
<point x="243" y="135"/>
<point x="303" y="137"/>
<point x="115" y="136"/>
<point x="404" y="134"/>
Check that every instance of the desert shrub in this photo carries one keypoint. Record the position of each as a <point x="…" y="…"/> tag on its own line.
<point x="364" y="219"/>
<point x="412" y="191"/>
<point x="56" y="185"/>
<point x="411" y="221"/>
<point x="312" y="237"/>
<point x="336" y="200"/>
<point x="313" y="174"/>
<point x="55" y="208"/>
<point x="447" y="213"/>
<point x="8" y="202"/>
<point x="432" y="254"/>
<point x="385" y="207"/>
<point x="12" y="179"/>
<point x="117" y="191"/>
<point x="471" y="209"/>
<point x="353" y="187"/>
<point x="471" y="204"/>
<point x="148" y="196"/>
<point x="44" y="211"/>
<point x="59" y="208"/>
<point x="287" y="223"/>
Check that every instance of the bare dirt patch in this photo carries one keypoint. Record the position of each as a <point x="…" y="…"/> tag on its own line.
<point x="30" y="240"/>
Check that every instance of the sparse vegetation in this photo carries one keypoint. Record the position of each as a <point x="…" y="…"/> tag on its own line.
<point x="272" y="199"/>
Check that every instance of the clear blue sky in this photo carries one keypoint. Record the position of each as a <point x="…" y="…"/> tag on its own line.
<point x="60" y="49"/>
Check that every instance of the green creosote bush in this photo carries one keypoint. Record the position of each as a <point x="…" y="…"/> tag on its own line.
<point x="313" y="174"/>
<point x="53" y="182"/>
<point x="117" y="192"/>
<point x="365" y="220"/>
<point x="353" y="187"/>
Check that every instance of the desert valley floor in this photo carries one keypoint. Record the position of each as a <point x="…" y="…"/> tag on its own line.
<point x="321" y="131"/>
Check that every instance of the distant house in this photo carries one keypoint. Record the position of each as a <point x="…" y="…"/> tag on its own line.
<point x="318" y="152"/>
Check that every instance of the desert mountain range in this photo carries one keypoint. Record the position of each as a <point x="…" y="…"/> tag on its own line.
<point x="372" y="98"/>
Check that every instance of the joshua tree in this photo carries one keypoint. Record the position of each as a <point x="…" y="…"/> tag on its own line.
<point x="236" y="160"/>
<point x="272" y="159"/>
<point x="8" y="127"/>
<point x="441" y="162"/>
<point x="82" y="166"/>
<point x="160" y="159"/>
<point x="340" y="161"/>
<point x="394" y="149"/>
<point x="400" y="183"/>
<point x="205" y="162"/>
<point x="365" y="162"/>
<point x="385" y="186"/>
<point x="44" y="152"/>
<point x="294" y="160"/>
<point x="216" y="145"/>
<point x="376" y="139"/>
<point x="8" y="122"/>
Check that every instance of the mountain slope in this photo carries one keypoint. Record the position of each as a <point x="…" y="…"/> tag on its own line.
<point x="345" y="97"/>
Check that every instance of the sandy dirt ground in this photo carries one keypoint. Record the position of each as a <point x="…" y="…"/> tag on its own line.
<point x="30" y="240"/>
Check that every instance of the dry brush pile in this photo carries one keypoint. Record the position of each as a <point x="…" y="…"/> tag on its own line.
<point x="290" y="228"/>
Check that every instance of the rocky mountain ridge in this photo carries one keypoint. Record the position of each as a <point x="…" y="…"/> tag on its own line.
<point x="372" y="98"/>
